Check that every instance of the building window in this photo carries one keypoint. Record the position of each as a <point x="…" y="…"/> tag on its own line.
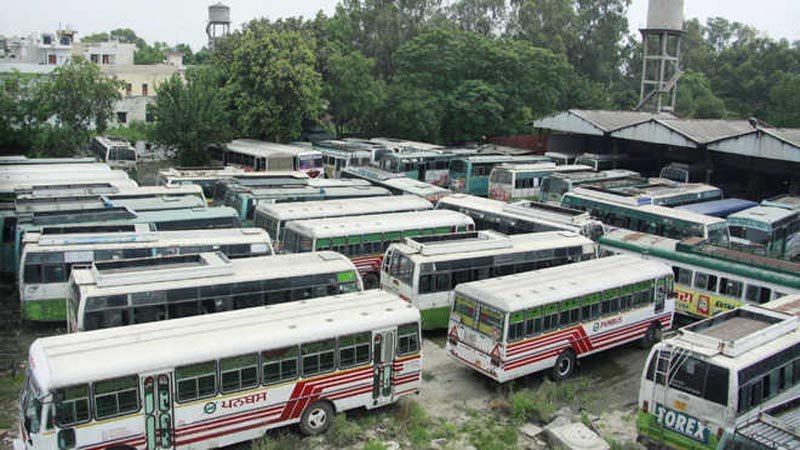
<point x="128" y="89"/>
<point x="94" y="58"/>
<point x="106" y="59"/>
<point x="51" y="59"/>
<point x="122" y="117"/>
<point x="144" y="89"/>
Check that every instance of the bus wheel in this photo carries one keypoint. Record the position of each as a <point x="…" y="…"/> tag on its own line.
<point x="564" y="366"/>
<point x="371" y="281"/>
<point x="316" y="418"/>
<point x="651" y="336"/>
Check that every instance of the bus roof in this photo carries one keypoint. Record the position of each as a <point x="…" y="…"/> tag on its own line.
<point x="652" y="191"/>
<point x="343" y="207"/>
<point x="414" y="186"/>
<point x="589" y="175"/>
<point x="39" y="243"/>
<point x="76" y="188"/>
<point x="718" y="208"/>
<point x="761" y="214"/>
<point x="253" y="147"/>
<point x="204" y="269"/>
<point x="373" y="173"/>
<point x="56" y="167"/>
<point x="310" y="191"/>
<point x="503" y="158"/>
<point x="525" y="210"/>
<point x="199" y="173"/>
<point x="378" y="223"/>
<point x="23" y="160"/>
<point x="71" y="359"/>
<point x="540" y="287"/>
<point x="124" y="216"/>
<point x="402" y="143"/>
<point x="11" y="181"/>
<point x="486" y="243"/>
<point x="136" y="204"/>
<point x="783" y="273"/>
<point x="783" y="201"/>
<point x="649" y="209"/>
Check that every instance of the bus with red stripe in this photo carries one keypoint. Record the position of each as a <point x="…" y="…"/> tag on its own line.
<point x="215" y="380"/>
<point x="365" y="238"/>
<point x="512" y="326"/>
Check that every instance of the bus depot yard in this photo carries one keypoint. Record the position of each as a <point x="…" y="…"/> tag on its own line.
<point x="392" y="294"/>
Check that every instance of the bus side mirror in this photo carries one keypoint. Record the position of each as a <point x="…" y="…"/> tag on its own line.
<point x="66" y="439"/>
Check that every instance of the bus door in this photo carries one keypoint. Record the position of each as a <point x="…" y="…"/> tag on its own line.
<point x="158" y="412"/>
<point x="661" y="294"/>
<point x="383" y="346"/>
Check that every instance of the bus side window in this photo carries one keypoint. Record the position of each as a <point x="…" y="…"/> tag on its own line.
<point x="279" y="365"/>
<point x="407" y="339"/>
<point x="757" y="294"/>
<point x="196" y="381"/>
<point x="238" y="373"/>
<point x="354" y="349"/>
<point x="682" y="276"/>
<point x="116" y="397"/>
<point x="318" y="357"/>
<point x="72" y="405"/>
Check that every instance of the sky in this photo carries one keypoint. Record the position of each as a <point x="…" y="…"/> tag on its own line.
<point x="176" y="21"/>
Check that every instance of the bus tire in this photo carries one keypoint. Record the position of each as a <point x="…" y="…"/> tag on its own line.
<point x="651" y="336"/>
<point x="371" y="281"/>
<point x="316" y="418"/>
<point x="564" y="366"/>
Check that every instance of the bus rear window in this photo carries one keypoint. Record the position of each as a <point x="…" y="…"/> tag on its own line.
<point x="490" y="322"/>
<point x="466" y="310"/>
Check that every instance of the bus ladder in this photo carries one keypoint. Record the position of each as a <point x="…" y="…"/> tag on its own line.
<point x="668" y="360"/>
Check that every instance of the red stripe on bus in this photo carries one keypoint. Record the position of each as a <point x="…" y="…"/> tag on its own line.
<point x="235" y="417"/>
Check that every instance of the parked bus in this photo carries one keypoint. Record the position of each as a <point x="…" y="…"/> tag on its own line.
<point x="708" y="279"/>
<point x="22" y="160"/>
<point x="425" y="270"/>
<point x="715" y="383"/>
<point x="119" y="219"/>
<point x="522" y="217"/>
<point x="429" y="166"/>
<point x="656" y="192"/>
<point x="211" y="381"/>
<point x="47" y="260"/>
<point x="718" y="208"/>
<point x="75" y="189"/>
<point x="767" y="230"/>
<point x="10" y="170"/>
<point x="470" y="174"/>
<point x="396" y="183"/>
<point x="116" y="153"/>
<point x="124" y="292"/>
<point x="598" y="161"/>
<point x="12" y="181"/>
<point x="245" y="201"/>
<point x="256" y="180"/>
<point x="555" y="185"/>
<point x="562" y="158"/>
<point x="404" y="146"/>
<point x="273" y="217"/>
<point x="260" y="156"/>
<point x="205" y="177"/>
<point x="8" y="225"/>
<point x="512" y="326"/>
<point x="784" y="201"/>
<point x="658" y="220"/>
<point x="686" y="173"/>
<point x="365" y="238"/>
<point x="510" y="182"/>
<point x="340" y="154"/>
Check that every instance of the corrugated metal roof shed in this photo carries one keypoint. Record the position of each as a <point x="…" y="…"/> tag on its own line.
<point x="778" y="144"/>
<point x="690" y="133"/>
<point x="593" y="122"/>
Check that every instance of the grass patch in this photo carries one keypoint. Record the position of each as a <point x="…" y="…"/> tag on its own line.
<point x="280" y="440"/>
<point x="541" y="404"/>
<point x="343" y="432"/>
<point x="427" y="376"/>
<point x="10" y="387"/>
<point x="488" y="432"/>
<point x="374" y="445"/>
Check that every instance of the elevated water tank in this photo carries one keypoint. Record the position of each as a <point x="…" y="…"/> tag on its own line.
<point x="665" y="15"/>
<point x="219" y="13"/>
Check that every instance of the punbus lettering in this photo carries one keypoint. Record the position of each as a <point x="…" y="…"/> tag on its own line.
<point x="601" y="324"/>
<point x="682" y="423"/>
<point x="246" y="400"/>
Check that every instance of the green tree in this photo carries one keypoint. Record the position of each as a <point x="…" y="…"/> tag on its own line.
<point x="273" y="83"/>
<point x="784" y="101"/>
<point x="354" y="96"/>
<point x="191" y="115"/>
<point x="95" y="38"/>
<point x="486" y="17"/>
<point x="79" y="96"/>
<point x="696" y="99"/>
<point x="547" y="24"/>
<point x="21" y="112"/>
<point x="151" y="54"/>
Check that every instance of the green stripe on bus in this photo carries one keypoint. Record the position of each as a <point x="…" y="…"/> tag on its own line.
<point x="344" y="277"/>
<point x="647" y="425"/>
<point x="435" y="318"/>
<point x="53" y="310"/>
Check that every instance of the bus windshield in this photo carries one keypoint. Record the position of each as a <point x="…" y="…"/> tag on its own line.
<point x="310" y="162"/>
<point x="122" y="154"/>
<point x="719" y="235"/>
<point x="458" y="167"/>
<point x="500" y="177"/>
<point x="402" y="268"/>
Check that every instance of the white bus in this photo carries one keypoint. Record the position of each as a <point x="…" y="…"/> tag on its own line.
<point x="55" y="167"/>
<point x="509" y="182"/>
<point x="22" y="160"/>
<point x="273" y="217"/>
<point x="252" y="154"/>
<point x="556" y="185"/>
<point x="125" y="292"/>
<point x="47" y="260"/>
<point x="425" y="271"/>
<point x="211" y="381"/>
<point x="205" y="177"/>
<point x="116" y="153"/>
<point x="512" y="326"/>
<point x="522" y="217"/>
<point x="655" y="191"/>
<point x="365" y="238"/>
<point x="766" y="230"/>
<point x="709" y="386"/>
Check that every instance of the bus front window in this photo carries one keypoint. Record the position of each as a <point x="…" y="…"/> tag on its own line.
<point x="401" y="268"/>
<point x="719" y="236"/>
<point x="31" y="408"/>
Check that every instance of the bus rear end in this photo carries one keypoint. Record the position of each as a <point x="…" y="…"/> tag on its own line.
<point x="311" y="164"/>
<point x="476" y="340"/>
<point x="122" y="157"/>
